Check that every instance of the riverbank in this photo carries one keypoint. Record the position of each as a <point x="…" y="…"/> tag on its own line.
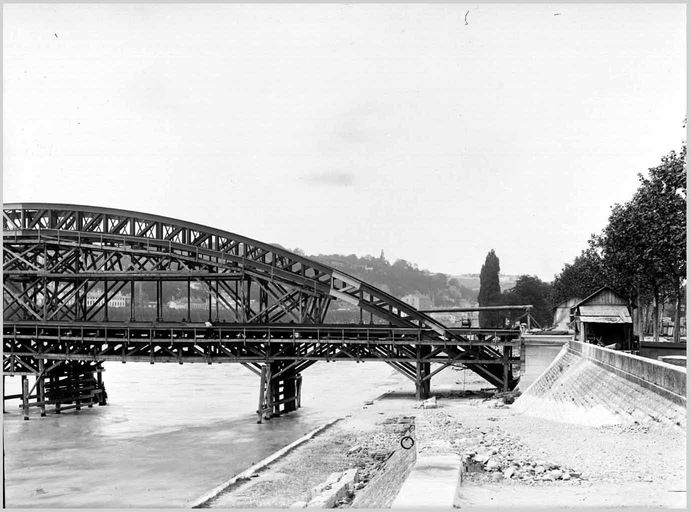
<point x="365" y="440"/>
<point x="160" y="442"/>
<point x="550" y="464"/>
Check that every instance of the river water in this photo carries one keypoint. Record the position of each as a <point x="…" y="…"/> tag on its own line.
<point x="169" y="434"/>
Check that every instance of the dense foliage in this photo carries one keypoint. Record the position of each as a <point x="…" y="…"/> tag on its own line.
<point x="580" y="278"/>
<point x="532" y="290"/>
<point x="641" y="253"/>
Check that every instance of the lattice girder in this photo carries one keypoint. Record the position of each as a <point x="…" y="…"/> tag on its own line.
<point x="56" y="255"/>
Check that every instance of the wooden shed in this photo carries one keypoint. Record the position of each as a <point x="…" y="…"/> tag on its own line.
<point x="562" y="315"/>
<point x="604" y="318"/>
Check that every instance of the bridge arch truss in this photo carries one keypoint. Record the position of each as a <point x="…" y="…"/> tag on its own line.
<point x="65" y="266"/>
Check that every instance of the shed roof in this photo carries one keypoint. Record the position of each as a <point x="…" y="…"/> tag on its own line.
<point x="596" y="293"/>
<point x="604" y="314"/>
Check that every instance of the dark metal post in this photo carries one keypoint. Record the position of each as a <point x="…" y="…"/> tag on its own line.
<point x="235" y="300"/>
<point x="246" y="299"/>
<point x="40" y="384"/>
<point x="189" y="306"/>
<point x="209" y="288"/>
<point x="25" y="396"/>
<point x="298" y="391"/>
<point x="57" y="392"/>
<point x="260" y="407"/>
<point x="218" y="292"/>
<point x="132" y="301"/>
<point x="159" y="298"/>
<point x="105" y="299"/>
<point x="75" y="387"/>
<point x="101" y="387"/>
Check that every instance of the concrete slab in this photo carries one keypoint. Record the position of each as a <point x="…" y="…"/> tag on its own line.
<point x="634" y="495"/>
<point x="433" y="483"/>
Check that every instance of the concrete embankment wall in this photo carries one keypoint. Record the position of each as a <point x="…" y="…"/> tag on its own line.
<point x="538" y="353"/>
<point x="597" y="386"/>
<point x="382" y="490"/>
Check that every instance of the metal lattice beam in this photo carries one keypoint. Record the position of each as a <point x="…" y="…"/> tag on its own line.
<point x="66" y="263"/>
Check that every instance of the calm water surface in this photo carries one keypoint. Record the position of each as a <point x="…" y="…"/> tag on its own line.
<point x="169" y="433"/>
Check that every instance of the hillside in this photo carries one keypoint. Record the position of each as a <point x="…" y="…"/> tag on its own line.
<point x="402" y="278"/>
<point x="472" y="281"/>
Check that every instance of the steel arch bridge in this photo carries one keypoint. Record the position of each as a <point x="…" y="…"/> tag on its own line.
<point x="83" y="285"/>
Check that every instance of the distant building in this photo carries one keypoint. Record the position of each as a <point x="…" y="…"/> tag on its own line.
<point x="195" y="304"/>
<point x="413" y="300"/>
<point x="116" y="301"/>
<point x="418" y="300"/>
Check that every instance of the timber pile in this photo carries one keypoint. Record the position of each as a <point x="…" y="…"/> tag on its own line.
<point x="68" y="385"/>
<point x="74" y="387"/>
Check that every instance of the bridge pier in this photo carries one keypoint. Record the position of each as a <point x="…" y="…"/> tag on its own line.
<point x="64" y="383"/>
<point x="423" y="376"/>
<point x="423" y="381"/>
<point x="280" y="389"/>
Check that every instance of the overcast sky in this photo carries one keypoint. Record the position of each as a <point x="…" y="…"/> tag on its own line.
<point x="433" y="132"/>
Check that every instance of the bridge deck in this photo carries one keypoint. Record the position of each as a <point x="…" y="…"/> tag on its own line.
<point x="182" y="342"/>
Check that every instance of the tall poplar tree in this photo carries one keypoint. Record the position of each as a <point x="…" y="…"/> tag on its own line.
<point x="490" y="291"/>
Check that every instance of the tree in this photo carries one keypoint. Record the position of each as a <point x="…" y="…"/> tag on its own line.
<point x="490" y="291"/>
<point x="581" y="278"/>
<point x="663" y="197"/>
<point x="532" y="290"/>
<point x="644" y="243"/>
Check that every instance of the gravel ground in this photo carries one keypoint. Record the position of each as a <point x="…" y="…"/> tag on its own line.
<point x="364" y="440"/>
<point x="516" y="458"/>
<point x="511" y="459"/>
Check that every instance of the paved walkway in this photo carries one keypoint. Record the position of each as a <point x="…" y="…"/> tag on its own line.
<point x="432" y="483"/>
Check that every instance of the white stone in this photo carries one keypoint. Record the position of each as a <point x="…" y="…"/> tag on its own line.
<point x="492" y="465"/>
<point x="354" y="449"/>
<point x="430" y="403"/>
